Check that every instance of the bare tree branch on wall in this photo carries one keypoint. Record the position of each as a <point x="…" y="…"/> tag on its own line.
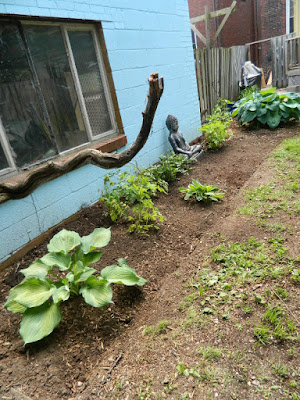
<point x="54" y="169"/>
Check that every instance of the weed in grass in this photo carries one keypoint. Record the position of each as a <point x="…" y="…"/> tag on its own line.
<point x="158" y="329"/>
<point x="281" y="370"/>
<point x="143" y="392"/>
<point x="276" y="227"/>
<point x="185" y="396"/>
<point x="239" y="326"/>
<point x="188" y="301"/>
<point x="192" y="318"/>
<point x="247" y="309"/>
<point x="262" y="334"/>
<point x="206" y="374"/>
<point x="281" y="293"/>
<point x="259" y="299"/>
<point x="280" y="195"/>
<point x="249" y="262"/>
<point x="275" y="325"/>
<point x="210" y="353"/>
<point x="291" y="352"/>
<point x="274" y="315"/>
<point x="295" y="276"/>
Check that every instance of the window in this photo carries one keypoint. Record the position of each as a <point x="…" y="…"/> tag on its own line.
<point x="291" y="16"/>
<point x="54" y="95"/>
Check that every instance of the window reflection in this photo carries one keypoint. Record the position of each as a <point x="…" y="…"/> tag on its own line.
<point x="84" y="53"/>
<point x="51" y="62"/>
<point x="20" y="109"/>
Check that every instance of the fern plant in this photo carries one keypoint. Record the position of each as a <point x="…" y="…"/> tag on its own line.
<point x="199" y="192"/>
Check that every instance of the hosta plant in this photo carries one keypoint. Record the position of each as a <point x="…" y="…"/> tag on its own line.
<point x="61" y="274"/>
<point x="268" y="108"/>
<point x="199" y="192"/>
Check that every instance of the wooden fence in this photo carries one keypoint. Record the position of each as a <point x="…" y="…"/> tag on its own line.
<point x="293" y="53"/>
<point x="279" y="61"/>
<point x="218" y="74"/>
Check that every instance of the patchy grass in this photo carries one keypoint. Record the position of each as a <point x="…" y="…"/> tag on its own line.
<point x="282" y="193"/>
<point x="159" y="329"/>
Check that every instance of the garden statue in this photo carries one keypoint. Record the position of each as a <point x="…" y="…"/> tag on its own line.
<point x="177" y="141"/>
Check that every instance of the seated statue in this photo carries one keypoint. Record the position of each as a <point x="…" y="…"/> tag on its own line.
<point x="177" y="141"/>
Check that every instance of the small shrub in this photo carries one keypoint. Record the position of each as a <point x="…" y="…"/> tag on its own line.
<point x="130" y="200"/>
<point x="199" y="192"/>
<point x="215" y="130"/>
<point x="215" y="134"/>
<point x="268" y="108"/>
<point x="168" y="169"/>
<point x="128" y="196"/>
<point x="38" y="296"/>
<point x="221" y="113"/>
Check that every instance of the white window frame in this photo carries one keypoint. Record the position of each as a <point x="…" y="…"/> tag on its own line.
<point x="92" y="139"/>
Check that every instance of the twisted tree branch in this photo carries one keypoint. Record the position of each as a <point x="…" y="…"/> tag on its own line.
<point x="53" y="169"/>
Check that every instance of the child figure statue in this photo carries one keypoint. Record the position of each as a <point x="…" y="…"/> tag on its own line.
<point x="177" y="141"/>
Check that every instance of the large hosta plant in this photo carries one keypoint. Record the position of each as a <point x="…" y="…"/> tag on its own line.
<point x="62" y="273"/>
<point x="268" y="108"/>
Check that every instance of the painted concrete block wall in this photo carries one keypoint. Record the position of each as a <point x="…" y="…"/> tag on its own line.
<point x="141" y="37"/>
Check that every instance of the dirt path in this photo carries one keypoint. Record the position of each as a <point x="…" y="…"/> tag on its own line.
<point x="74" y="362"/>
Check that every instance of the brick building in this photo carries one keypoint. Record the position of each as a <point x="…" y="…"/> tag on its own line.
<point x="252" y="20"/>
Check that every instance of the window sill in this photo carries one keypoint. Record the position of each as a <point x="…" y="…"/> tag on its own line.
<point x="112" y="144"/>
<point x="106" y="146"/>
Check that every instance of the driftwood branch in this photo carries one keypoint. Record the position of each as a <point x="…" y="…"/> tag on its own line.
<point x="53" y="169"/>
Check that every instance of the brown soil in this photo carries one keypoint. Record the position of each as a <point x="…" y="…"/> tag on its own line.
<point x="102" y="354"/>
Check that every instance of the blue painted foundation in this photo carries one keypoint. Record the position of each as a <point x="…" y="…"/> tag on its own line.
<point x="141" y="37"/>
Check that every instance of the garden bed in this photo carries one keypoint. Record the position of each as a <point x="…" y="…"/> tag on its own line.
<point x="102" y="353"/>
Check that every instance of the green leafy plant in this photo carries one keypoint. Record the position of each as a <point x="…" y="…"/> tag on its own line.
<point x="168" y="169"/>
<point x="62" y="273"/>
<point x="130" y="200"/>
<point x="215" y="134"/>
<point x="215" y="130"/>
<point x="199" y="192"/>
<point x="247" y="93"/>
<point x="275" y="325"/>
<point x="268" y="108"/>
<point x="128" y="195"/>
<point x="220" y="112"/>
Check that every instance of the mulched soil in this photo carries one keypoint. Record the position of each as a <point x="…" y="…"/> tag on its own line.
<point x="95" y="351"/>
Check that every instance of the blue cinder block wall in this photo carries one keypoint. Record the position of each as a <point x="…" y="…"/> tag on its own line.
<point x="142" y="36"/>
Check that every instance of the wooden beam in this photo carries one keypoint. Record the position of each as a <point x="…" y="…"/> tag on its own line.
<point x="199" y="34"/>
<point x="229" y="10"/>
<point x="213" y="14"/>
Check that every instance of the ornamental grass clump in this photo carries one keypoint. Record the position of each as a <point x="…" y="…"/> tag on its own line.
<point x="268" y="108"/>
<point x="63" y="273"/>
